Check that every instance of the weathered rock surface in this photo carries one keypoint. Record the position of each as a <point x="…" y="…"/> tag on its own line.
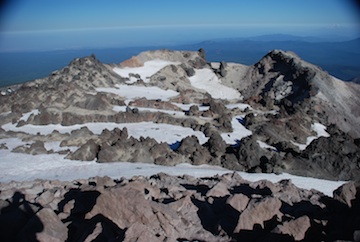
<point x="35" y="148"/>
<point x="337" y="156"/>
<point x="168" y="208"/>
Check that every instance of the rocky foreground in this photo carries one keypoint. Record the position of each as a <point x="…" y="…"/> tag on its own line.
<point x="168" y="208"/>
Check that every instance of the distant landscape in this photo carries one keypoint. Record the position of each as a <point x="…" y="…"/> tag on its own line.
<point x="339" y="58"/>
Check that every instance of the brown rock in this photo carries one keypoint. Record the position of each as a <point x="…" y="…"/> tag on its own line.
<point x="257" y="212"/>
<point x="140" y="233"/>
<point x="132" y="62"/>
<point x="238" y="201"/>
<point x="49" y="226"/>
<point x="219" y="190"/>
<point x="104" y="181"/>
<point x="296" y="228"/>
<point x="287" y="192"/>
<point x="129" y="212"/>
<point x="95" y="233"/>
<point x="346" y="193"/>
<point x="45" y="198"/>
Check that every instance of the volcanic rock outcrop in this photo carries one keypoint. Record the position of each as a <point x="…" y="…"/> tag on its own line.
<point x="167" y="208"/>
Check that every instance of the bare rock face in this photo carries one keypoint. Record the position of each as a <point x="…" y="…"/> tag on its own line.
<point x="132" y="62"/>
<point x="254" y="157"/>
<point x="93" y="102"/>
<point x="296" y="228"/>
<point x="281" y="79"/>
<point x="340" y="156"/>
<point x="257" y="212"/>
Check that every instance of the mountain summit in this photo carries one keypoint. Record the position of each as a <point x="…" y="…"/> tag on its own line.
<point x="281" y="114"/>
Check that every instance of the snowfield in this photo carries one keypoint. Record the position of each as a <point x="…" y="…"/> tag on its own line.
<point x="205" y="79"/>
<point x="24" y="167"/>
<point x="154" y="110"/>
<point x="160" y="132"/>
<point x="26" y="116"/>
<point x="133" y="92"/>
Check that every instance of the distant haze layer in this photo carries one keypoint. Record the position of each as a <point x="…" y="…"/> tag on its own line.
<point x="156" y="35"/>
<point x="339" y="58"/>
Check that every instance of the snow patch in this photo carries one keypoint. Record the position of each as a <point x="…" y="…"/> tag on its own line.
<point x="5" y="114"/>
<point x="145" y="72"/>
<point x="241" y="106"/>
<point x="26" y="116"/>
<point x="160" y="132"/>
<point x="24" y="167"/>
<point x="186" y="107"/>
<point x="265" y="146"/>
<point x="154" y="110"/>
<point x="134" y="92"/>
<point x="205" y="79"/>
<point x="325" y="186"/>
<point x="320" y="130"/>
<point x="239" y="131"/>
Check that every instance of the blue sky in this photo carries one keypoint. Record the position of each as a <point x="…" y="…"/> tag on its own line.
<point x="62" y="24"/>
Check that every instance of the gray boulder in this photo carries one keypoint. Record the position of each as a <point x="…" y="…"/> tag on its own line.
<point x="86" y="152"/>
<point x="193" y="111"/>
<point x="35" y="148"/>
<point x="346" y="193"/>
<point x="193" y="151"/>
<point x="216" y="145"/>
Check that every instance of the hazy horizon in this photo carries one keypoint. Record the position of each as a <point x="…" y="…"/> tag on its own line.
<point x="63" y="30"/>
<point x="34" y="25"/>
<point x="156" y="36"/>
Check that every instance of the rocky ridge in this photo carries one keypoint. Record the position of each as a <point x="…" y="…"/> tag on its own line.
<point x="289" y="116"/>
<point x="284" y="98"/>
